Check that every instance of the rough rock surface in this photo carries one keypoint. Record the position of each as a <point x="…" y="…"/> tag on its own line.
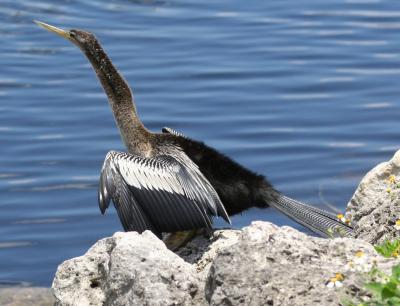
<point x="282" y="266"/>
<point x="26" y="296"/>
<point x="375" y="206"/>
<point x="260" y="265"/>
<point x="127" y="269"/>
<point x="201" y="251"/>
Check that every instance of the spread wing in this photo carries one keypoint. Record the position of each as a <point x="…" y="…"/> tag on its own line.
<point x="220" y="208"/>
<point x="166" y="193"/>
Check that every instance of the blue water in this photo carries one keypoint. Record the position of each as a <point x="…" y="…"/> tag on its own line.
<point x="305" y="92"/>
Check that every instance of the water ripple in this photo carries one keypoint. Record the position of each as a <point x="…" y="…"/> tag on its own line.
<point x="14" y="244"/>
<point x="366" y="71"/>
<point x="377" y="105"/>
<point x="40" y="221"/>
<point x="57" y="187"/>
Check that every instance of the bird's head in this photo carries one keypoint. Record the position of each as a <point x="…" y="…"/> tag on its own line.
<point x="84" y="40"/>
<point x="113" y="83"/>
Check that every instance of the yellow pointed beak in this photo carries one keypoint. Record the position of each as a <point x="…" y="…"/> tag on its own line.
<point x="50" y="28"/>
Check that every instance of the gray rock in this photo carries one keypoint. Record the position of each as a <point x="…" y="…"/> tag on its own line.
<point x="260" y="265"/>
<point x="375" y="206"/>
<point x="272" y="265"/>
<point x="26" y="296"/>
<point x="202" y="251"/>
<point x="127" y="269"/>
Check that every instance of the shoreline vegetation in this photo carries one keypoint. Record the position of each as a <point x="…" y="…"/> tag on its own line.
<point x="260" y="264"/>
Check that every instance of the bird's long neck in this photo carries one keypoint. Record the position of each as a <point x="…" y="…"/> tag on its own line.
<point x="132" y="130"/>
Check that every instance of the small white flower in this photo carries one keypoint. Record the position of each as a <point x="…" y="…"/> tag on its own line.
<point x="360" y="258"/>
<point x="335" y="282"/>
<point x="350" y="266"/>
<point x="330" y="285"/>
<point x="383" y="280"/>
<point x="360" y="263"/>
<point x="342" y="218"/>
<point x="365" y="267"/>
<point x="397" y="225"/>
<point x="338" y="284"/>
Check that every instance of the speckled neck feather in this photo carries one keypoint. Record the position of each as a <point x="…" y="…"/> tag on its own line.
<point x="133" y="133"/>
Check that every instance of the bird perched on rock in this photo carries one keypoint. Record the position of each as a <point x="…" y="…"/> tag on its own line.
<point x="168" y="182"/>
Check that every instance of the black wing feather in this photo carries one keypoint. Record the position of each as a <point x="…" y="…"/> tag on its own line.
<point x="162" y="194"/>
<point x="112" y="186"/>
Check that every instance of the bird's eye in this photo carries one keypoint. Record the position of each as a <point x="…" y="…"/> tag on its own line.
<point x="72" y="33"/>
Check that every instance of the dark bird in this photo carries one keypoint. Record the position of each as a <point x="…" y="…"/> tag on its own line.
<point x="168" y="182"/>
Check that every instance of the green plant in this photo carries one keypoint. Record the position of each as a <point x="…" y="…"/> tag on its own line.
<point x="381" y="289"/>
<point x="389" y="248"/>
<point x="386" y="291"/>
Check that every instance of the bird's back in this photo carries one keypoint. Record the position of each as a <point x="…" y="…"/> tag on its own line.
<point x="237" y="186"/>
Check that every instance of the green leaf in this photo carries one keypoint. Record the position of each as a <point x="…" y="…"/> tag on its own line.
<point x="387" y="293"/>
<point x="396" y="272"/>
<point x="392" y="284"/>
<point x="375" y="288"/>
<point x="389" y="248"/>
<point x="394" y="301"/>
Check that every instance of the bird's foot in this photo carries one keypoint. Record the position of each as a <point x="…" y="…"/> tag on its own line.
<point x="177" y="240"/>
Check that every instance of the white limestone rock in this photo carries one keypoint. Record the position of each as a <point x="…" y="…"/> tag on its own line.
<point x="262" y="264"/>
<point x="375" y="206"/>
<point x="126" y="269"/>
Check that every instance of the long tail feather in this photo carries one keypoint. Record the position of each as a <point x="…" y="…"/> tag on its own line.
<point x="319" y="221"/>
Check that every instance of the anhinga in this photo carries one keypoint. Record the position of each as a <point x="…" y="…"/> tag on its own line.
<point x="168" y="182"/>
